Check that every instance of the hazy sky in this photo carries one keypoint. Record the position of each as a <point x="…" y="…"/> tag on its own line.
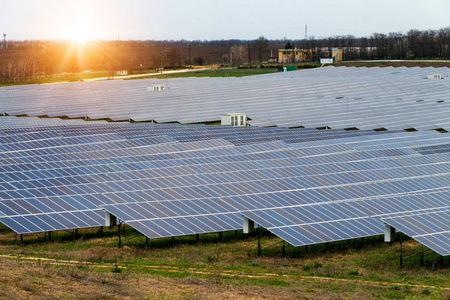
<point x="215" y="19"/>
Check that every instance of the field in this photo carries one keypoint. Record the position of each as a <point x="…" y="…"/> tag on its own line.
<point x="225" y="72"/>
<point x="65" y="77"/>
<point x="68" y="77"/>
<point x="222" y="72"/>
<point x="92" y="267"/>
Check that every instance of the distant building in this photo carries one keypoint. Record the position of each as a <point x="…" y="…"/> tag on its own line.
<point x="120" y="73"/>
<point x="336" y="54"/>
<point x="156" y="87"/>
<point x="234" y="119"/>
<point x="434" y="76"/>
<point x="296" y="55"/>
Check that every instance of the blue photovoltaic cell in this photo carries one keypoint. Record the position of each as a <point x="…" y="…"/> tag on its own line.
<point x="430" y="228"/>
<point x="169" y="179"/>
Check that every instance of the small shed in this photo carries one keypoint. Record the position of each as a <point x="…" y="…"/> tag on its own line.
<point x="434" y="76"/>
<point x="121" y="73"/>
<point x="156" y="87"/>
<point x="234" y="119"/>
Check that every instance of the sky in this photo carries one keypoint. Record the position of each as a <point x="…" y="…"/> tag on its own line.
<point x="214" y="19"/>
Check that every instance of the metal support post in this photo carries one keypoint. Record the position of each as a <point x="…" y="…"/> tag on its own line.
<point x="401" y="251"/>
<point x="21" y="238"/>
<point x="236" y="234"/>
<point x="259" y="240"/>
<point x="197" y="238"/>
<point x="146" y="243"/>
<point x="220" y="236"/>
<point x="49" y="236"/>
<point x="173" y="242"/>
<point x="120" y="237"/>
<point x="421" y="257"/>
<point x="283" y="249"/>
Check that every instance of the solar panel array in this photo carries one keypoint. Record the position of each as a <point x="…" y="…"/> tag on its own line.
<point x="432" y="228"/>
<point x="305" y="185"/>
<point x="335" y="97"/>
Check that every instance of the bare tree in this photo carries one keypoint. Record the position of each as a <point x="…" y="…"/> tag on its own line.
<point x="261" y="44"/>
<point x="238" y="54"/>
<point x="174" y="57"/>
<point x="10" y="70"/>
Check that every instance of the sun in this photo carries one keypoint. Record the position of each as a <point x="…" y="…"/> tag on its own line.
<point x="79" y="31"/>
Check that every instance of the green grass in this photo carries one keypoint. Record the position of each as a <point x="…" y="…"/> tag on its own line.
<point x="353" y="269"/>
<point x="64" y="77"/>
<point x="69" y="77"/>
<point x="226" y="72"/>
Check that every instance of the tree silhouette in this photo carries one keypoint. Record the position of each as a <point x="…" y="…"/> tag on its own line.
<point x="261" y="44"/>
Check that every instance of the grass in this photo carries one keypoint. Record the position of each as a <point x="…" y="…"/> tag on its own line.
<point x="66" y="268"/>
<point x="64" y="77"/>
<point x="225" y="72"/>
<point x="222" y="72"/>
<point x="68" y="77"/>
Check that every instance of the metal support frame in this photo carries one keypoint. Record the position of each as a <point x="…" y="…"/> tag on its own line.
<point x="49" y="233"/>
<point x="120" y="237"/>
<point x="421" y="257"/>
<point x="401" y="250"/>
<point x="146" y="243"/>
<point x="197" y="238"/>
<point x="259" y="240"/>
<point x="172" y="243"/>
<point x="273" y="245"/>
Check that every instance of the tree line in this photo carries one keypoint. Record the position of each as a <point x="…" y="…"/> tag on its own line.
<point x="25" y="60"/>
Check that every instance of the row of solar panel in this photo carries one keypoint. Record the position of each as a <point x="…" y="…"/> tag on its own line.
<point x="311" y="111"/>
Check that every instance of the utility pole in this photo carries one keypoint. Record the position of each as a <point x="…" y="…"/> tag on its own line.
<point x="4" y="40"/>
<point x="190" y="56"/>
<point x="306" y="32"/>
<point x="249" y="55"/>
<point x="211" y="59"/>
<point x="293" y="52"/>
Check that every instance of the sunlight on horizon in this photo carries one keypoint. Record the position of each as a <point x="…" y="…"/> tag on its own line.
<point x="79" y="31"/>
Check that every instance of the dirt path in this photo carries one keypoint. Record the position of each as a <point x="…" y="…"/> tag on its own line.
<point x="145" y="75"/>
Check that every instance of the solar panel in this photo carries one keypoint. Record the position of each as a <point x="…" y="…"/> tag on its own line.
<point x="169" y="179"/>
<point x="365" y="98"/>
<point x="431" y="229"/>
